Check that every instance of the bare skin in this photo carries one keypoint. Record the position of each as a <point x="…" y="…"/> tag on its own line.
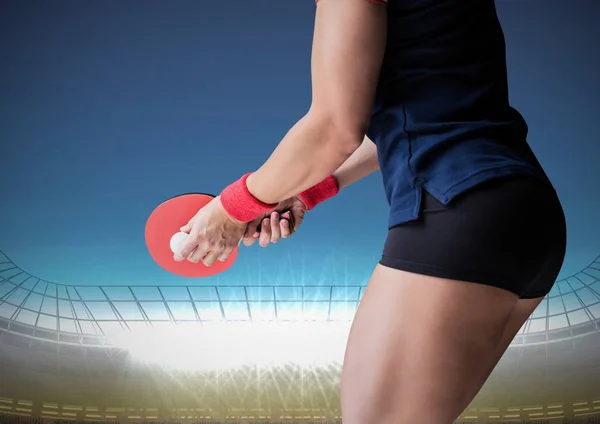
<point x="396" y="338"/>
<point x="360" y="164"/>
<point x="416" y="341"/>
<point x="419" y="341"/>
<point x="348" y="48"/>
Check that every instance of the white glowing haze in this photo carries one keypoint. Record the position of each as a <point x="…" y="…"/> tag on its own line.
<point x="221" y="346"/>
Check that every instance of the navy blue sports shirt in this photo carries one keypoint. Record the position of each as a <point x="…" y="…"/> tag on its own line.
<point x="442" y="120"/>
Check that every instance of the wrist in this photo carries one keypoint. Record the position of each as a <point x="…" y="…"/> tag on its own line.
<point x="240" y="204"/>
<point x="320" y="192"/>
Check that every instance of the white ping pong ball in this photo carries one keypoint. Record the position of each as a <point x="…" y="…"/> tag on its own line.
<point x="177" y="241"/>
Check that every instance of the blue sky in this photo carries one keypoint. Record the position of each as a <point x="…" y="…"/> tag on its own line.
<point x="108" y="108"/>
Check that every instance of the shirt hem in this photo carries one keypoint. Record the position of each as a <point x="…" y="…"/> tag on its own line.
<point x="412" y="213"/>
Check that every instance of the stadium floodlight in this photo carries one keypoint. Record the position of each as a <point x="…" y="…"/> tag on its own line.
<point x="229" y="346"/>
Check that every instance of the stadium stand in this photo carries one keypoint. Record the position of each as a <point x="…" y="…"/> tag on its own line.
<point x="12" y="419"/>
<point x="59" y="362"/>
<point x="85" y="315"/>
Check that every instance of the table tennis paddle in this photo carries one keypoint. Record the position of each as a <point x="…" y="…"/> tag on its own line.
<point x="163" y="236"/>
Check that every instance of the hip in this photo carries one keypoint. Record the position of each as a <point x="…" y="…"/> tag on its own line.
<point x="508" y="232"/>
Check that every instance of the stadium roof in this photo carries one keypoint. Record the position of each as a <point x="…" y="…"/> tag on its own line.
<point x="88" y="315"/>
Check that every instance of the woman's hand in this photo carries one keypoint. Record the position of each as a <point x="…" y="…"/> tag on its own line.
<point x="213" y="234"/>
<point x="272" y="227"/>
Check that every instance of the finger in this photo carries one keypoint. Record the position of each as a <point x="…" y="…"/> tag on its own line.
<point x="249" y="231"/>
<point x="191" y="254"/>
<point x="287" y="215"/>
<point x="252" y="229"/>
<point x="275" y="230"/>
<point x="249" y="241"/>
<point x="265" y="233"/>
<point x="210" y="258"/>
<point x="226" y="253"/>
<point x="251" y="235"/>
<point x="189" y="245"/>
<point x="285" y="228"/>
<point x="200" y="252"/>
<point x="187" y="228"/>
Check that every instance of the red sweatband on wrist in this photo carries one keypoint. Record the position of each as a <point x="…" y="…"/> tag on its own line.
<point x="240" y="204"/>
<point x="320" y="192"/>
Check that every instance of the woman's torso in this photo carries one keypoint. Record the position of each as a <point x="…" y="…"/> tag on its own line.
<point x="441" y="118"/>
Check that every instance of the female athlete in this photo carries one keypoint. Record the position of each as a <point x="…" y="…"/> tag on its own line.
<point x="417" y="89"/>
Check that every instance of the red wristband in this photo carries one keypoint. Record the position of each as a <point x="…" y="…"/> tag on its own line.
<point x="240" y="204"/>
<point x="320" y="192"/>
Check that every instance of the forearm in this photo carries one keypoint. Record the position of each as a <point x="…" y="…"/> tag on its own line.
<point x="361" y="163"/>
<point x="348" y="49"/>
<point x="312" y="150"/>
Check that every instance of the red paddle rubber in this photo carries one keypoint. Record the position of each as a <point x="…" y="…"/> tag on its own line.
<point x="167" y="219"/>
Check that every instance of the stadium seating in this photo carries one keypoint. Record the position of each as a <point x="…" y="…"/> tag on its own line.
<point x="60" y="362"/>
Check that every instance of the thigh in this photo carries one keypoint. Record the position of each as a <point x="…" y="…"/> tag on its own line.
<point x="522" y="310"/>
<point x="418" y="341"/>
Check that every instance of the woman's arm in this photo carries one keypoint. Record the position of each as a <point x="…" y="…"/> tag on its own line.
<point x="348" y="48"/>
<point x="363" y="162"/>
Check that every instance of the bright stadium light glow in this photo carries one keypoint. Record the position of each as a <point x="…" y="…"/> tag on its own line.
<point x="229" y="346"/>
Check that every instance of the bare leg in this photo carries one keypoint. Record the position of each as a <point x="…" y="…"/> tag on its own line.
<point x="419" y="341"/>
<point x="522" y="310"/>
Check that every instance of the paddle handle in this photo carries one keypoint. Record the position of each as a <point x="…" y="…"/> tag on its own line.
<point x="287" y="215"/>
<point x="178" y="239"/>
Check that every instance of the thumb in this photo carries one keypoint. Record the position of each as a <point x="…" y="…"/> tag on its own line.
<point x="186" y="228"/>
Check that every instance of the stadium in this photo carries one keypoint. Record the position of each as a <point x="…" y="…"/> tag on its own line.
<point x="253" y="354"/>
<point x="107" y="109"/>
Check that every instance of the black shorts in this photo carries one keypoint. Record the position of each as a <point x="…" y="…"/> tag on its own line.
<point x="507" y="232"/>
